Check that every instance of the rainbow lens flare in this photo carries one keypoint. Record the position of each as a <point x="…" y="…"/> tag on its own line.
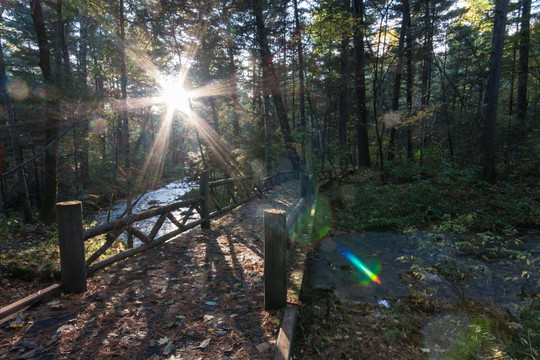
<point x="359" y="264"/>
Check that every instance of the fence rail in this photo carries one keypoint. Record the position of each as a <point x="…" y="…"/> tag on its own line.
<point x="215" y="198"/>
<point x="280" y="230"/>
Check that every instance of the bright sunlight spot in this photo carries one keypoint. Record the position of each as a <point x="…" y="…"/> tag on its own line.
<point x="175" y="96"/>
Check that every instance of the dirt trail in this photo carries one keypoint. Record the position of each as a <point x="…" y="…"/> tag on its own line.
<point x="196" y="297"/>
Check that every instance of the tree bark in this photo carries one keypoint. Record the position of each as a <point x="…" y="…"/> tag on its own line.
<point x="124" y="138"/>
<point x="344" y="94"/>
<point x="301" y="91"/>
<point x="84" y="77"/>
<point x="270" y="79"/>
<point x="50" y="186"/>
<point x="362" y="140"/>
<point x="492" y="95"/>
<point x="409" y="81"/>
<point x="524" y="40"/>
<point x="397" y="78"/>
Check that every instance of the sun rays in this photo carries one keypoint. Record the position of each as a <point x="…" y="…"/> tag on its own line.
<point x="176" y="104"/>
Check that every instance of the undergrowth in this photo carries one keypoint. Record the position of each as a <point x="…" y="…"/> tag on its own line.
<point x="30" y="252"/>
<point x="444" y="197"/>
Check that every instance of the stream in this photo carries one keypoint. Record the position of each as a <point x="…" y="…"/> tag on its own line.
<point x="167" y="194"/>
<point x="434" y="265"/>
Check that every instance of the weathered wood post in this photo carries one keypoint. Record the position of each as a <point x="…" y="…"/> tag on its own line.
<point x="205" y="205"/>
<point x="275" y="259"/>
<point x="70" y="238"/>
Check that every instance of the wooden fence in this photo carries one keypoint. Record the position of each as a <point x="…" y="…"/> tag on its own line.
<point x="215" y="199"/>
<point x="280" y="230"/>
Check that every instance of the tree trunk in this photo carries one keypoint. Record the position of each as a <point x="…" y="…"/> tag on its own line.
<point x="234" y="96"/>
<point x="362" y="140"/>
<point x="301" y="91"/>
<point x="268" y="132"/>
<point x="84" y="76"/>
<point x="492" y="95"/>
<point x="344" y="95"/>
<point x="427" y="50"/>
<point x="10" y="114"/>
<point x="270" y="78"/>
<point x="524" y="39"/>
<point x="397" y="79"/>
<point x="407" y="15"/>
<point x="124" y="143"/>
<point x="50" y="186"/>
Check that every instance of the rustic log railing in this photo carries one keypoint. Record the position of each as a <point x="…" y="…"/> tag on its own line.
<point x="281" y="228"/>
<point x="75" y="268"/>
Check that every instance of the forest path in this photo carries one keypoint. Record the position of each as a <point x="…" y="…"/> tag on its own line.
<point x="197" y="296"/>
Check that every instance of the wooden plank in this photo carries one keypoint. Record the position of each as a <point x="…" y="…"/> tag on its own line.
<point x="227" y="181"/>
<point x="172" y="219"/>
<point x="71" y="243"/>
<point x="125" y="221"/>
<point x="138" y="233"/>
<point x="275" y="259"/>
<point x="49" y="292"/>
<point x="286" y="333"/>
<point x="157" y="226"/>
<point x="205" y="204"/>
<point x="139" y="249"/>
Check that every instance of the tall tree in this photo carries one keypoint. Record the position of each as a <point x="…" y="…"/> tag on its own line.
<point x="124" y="128"/>
<point x="362" y="140"/>
<point x="524" y="40"/>
<point x="397" y="78"/>
<point x="492" y="98"/>
<point x="270" y="79"/>
<point x="343" y="90"/>
<point x="50" y="185"/>
<point x="298" y="36"/>
<point x="409" y="80"/>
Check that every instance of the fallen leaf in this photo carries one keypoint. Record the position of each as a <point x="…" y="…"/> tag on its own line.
<point x="168" y="349"/>
<point x="204" y="344"/>
<point x="163" y="340"/>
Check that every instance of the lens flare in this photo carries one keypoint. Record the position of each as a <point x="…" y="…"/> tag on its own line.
<point x="98" y="125"/>
<point x="17" y="89"/>
<point x="323" y="218"/>
<point x="359" y="264"/>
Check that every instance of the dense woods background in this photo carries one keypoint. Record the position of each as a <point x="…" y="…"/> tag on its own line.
<point x="408" y="88"/>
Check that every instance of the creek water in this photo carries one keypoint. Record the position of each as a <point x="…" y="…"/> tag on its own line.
<point x="438" y="269"/>
<point x="167" y="194"/>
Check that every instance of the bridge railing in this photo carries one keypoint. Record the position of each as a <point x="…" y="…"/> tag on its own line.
<point x="215" y="198"/>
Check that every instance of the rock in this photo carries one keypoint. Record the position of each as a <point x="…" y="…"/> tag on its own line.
<point x="263" y="347"/>
<point x="29" y="344"/>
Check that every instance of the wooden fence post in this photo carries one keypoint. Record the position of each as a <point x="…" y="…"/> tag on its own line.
<point x="70" y="238"/>
<point x="205" y="205"/>
<point x="275" y="259"/>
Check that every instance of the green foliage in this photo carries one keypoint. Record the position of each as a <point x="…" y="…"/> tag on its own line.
<point x="446" y="199"/>
<point x="481" y="340"/>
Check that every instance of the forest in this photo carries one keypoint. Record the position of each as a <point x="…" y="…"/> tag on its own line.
<point x="429" y="111"/>
<point x="89" y="88"/>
